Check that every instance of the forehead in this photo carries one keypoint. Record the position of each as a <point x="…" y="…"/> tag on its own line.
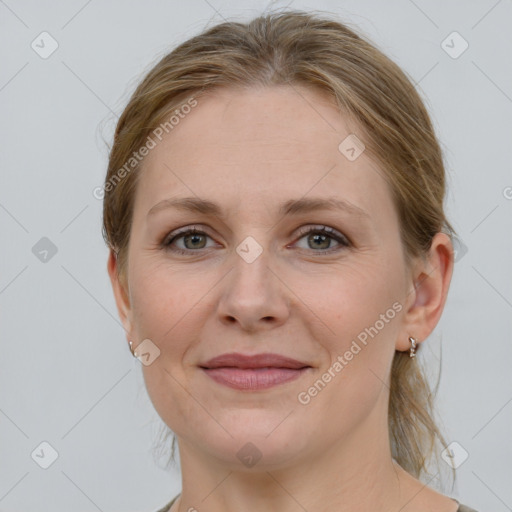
<point x="261" y="146"/>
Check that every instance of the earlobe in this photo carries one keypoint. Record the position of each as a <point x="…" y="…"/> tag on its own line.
<point x="431" y="279"/>
<point x="120" y="294"/>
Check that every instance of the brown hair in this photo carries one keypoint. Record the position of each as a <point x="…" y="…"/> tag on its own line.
<point x="294" y="47"/>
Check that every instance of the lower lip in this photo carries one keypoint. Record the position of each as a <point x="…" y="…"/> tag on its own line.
<point x="253" y="378"/>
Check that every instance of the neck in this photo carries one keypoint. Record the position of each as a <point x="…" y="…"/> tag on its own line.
<point x="356" y="474"/>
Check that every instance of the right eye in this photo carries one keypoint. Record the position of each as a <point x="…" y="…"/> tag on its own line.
<point x="193" y="239"/>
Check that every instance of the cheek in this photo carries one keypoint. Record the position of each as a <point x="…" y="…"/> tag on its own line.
<point x="362" y="309"/>
<point x="164" y="299"/>
<point x="166" y="305"/>
<point x="354" y="298"/>
<point x="363" y="315"/>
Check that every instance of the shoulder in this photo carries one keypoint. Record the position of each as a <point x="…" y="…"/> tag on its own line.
<point x="464" y="508"/>
<point x="169" y="505"/>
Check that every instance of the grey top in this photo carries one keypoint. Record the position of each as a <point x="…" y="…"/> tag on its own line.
<point x="462" y="508"/>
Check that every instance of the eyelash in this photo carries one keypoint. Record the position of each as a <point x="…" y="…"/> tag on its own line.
<point x="323" y="230"/>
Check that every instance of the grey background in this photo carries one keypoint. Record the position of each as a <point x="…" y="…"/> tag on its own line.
<point x="66" y="375"/>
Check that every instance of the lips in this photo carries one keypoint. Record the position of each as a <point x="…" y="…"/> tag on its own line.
<point x="253" y="373"/>
<point x="266" y="360"/>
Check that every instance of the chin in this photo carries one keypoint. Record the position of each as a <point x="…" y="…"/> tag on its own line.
<point x="262" y="443"/>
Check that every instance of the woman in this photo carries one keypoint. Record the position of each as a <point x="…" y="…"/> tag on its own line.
<point x="286" y="371"/>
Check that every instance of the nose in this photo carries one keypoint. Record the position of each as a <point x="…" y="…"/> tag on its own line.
<point x="253" y="294"/>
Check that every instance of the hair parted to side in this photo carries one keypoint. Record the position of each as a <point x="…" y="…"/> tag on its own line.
<point x="299" y="48"/>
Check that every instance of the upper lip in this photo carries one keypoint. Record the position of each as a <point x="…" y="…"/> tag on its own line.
<point x="237" y="360"/>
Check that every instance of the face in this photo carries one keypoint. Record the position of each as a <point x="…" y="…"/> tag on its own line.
<point x="315" y="284"/>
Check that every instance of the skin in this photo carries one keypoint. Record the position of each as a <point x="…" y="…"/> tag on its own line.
<point x="249" y="150"/>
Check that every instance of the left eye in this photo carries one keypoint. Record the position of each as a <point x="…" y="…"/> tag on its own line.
<point x="322" y="237"/>
<point x="194" y="239"/>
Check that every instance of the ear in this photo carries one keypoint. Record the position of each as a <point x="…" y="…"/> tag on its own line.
<point x="425" y="302"/>
<point x="121" y="295"/>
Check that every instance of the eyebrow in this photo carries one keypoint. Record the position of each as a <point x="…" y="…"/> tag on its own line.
<point x="290" y="207"/>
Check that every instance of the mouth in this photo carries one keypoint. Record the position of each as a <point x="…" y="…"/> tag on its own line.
<point x="252" y="379"/>
<point x="253" y="372"/>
